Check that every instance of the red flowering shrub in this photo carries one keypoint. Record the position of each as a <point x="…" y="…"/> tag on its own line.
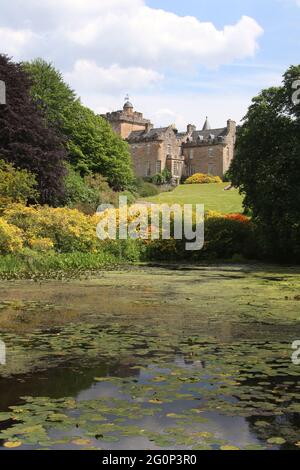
<point x="238" y="217"/>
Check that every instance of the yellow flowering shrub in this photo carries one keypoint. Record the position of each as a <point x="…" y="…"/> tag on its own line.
<point x="201" y="178"/>
<point x="68" y="229"/>
<point x="11" y="240"/>
<point x="41" y="244"/>
<point x="23" y="217"/>
<point x="213" y="215"/>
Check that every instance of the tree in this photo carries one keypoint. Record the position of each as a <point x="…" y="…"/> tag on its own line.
<point x="26" y="140"/>
<point x="95" y="148"/>
<point x="49" y="91"/>
<point x="92" y="145"/>
<point x="266" y="166"/>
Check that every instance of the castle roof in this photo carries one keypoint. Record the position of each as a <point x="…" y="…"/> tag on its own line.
<point x="210" y="132"/>
<point x="128" y="105"/>
<point x="207" y="125"/>
<point x="151" y="134"/>
<point x="208" y="136"/>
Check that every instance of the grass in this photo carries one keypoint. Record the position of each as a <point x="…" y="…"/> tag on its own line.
<point x="212" y="196"/>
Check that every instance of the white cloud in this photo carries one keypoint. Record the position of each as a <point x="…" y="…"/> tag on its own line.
<point x="129" y="33"/>
<point x="108" y="47"/>
<point x="156" y="38"/>
<point x="88" y="76"/>
<point x="13" y="41"/>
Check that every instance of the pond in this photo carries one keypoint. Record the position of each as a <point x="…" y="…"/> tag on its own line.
<point x="152" y="358"/>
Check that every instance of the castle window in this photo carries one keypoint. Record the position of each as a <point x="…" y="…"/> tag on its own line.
<point x="158" y="166"/>
<point x="210" y="152"/>
<point x="169" y="149"/>
<point x="191" y="154"/>
<point x="211" y="169"/>
<point x="148" y="169"/>
<point x="191" y="170"/>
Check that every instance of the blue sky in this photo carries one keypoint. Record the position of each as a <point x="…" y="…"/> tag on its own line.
<point x="178" y="60"/>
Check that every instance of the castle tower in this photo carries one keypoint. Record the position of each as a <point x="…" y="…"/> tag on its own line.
<point x="127" y="120"/>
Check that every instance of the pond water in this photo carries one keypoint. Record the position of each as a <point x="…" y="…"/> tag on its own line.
<point x="152" y="358"/>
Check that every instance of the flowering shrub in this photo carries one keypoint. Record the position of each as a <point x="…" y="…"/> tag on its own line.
<point x="68" y="229"/>
<point x="238" y="217"/>
<point x="41" y="244"/>
<point x="43" y="229"/>
<point x="11" y="240"/>
<point x="201" y="178"/>
<point x="213" y="215"/>
<point x="16" y="185"/>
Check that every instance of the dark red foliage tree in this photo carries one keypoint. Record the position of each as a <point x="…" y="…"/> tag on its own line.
<point x="26" y="140"/>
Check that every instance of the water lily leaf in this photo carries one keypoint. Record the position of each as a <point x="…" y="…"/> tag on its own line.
<point x="81" y="442"/>
<point x="276" y="440"/>
<point x="12" y="444"/>
<point x="262" y="424"/>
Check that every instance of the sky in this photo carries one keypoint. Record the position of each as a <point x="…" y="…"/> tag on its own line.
<point x="179" y="61"/>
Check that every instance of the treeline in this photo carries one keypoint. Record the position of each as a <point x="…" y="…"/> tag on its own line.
<point x="266" y="168"/>
<point x="71" y="155"/>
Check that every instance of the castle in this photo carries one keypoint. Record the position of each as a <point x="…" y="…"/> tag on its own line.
<point x="153" y="150"/>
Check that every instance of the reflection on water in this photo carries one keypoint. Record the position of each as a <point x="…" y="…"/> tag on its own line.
<point x="180" y="380"/>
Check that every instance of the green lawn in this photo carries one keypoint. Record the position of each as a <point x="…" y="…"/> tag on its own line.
<point x="212" y="196"/>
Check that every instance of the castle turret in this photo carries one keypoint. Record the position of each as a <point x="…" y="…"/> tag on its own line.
<point x="207" y="126"/>
<point x="127" y="120"/>
<point x="128" y="108"/>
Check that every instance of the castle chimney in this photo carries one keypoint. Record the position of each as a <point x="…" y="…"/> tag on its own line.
<point x="148" y="127"/>
<point x="190" y="129"/>
<point x="231" y="126"/>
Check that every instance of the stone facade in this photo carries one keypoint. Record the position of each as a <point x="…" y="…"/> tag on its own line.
<point x="183" y="154"/>
<point x="210" y="151"/>
<point x="126" y="121"/>
<point x="154" y="150"/>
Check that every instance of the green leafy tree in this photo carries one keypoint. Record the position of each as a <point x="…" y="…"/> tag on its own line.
<point x="95" y="148"/>
<point x="26" y="140"/>
<point x="49" y="90"/>
<point x="92" y="145"/>
<point x="87" y="193"/>
<point x="267" y="166"/>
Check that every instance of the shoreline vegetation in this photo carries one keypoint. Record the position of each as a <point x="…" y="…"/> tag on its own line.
<point x="75" y="266"/>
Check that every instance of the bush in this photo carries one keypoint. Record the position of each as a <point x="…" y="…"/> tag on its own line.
<point x="16" y="185"/>
<point x="227" y="177"/>
<point x="213" y="215"/>
<point x="87" y="193"/>
<point x="162" y="178"/>
<point x="226" y="237"/>
<point x="41" y="244"/>
<point x="201" y="178"/>
<point x="11" y="240"/>
<point x="68" y="229"/>
<point x="148" y="190"/>
<point x="131" y="197"/>
<point x="238" y="217"/>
